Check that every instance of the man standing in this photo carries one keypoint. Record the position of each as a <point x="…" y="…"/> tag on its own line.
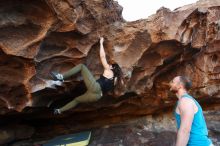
<point x="191" y="125"/>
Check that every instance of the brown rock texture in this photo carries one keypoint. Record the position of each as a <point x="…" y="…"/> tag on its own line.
<point x="41" y="36"/>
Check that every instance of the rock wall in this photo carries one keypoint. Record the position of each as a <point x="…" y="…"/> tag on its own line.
<point x="38" y="37"/>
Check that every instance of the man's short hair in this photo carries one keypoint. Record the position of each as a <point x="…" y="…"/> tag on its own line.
<point x="186" y="82"/>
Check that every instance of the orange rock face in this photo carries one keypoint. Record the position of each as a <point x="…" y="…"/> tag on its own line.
<point x="38" y="37"/>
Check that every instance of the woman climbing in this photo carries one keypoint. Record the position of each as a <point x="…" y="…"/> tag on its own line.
<point x="111" y="76"/>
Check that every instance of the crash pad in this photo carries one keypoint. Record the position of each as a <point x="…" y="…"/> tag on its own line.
<point x="77" y="139"/>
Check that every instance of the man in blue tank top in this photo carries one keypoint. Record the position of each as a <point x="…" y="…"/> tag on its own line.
<point x="191" y="125"/>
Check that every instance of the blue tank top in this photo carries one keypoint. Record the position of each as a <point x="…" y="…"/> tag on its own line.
<point x="199" y="131"/>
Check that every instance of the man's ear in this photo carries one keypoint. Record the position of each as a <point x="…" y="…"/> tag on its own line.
<point x="180" y="85"/>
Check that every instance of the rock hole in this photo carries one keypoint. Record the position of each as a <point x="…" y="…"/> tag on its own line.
<point x="214" y="58"/>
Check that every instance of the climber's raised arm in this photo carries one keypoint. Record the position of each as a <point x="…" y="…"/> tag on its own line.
<point x="103" y="55"/>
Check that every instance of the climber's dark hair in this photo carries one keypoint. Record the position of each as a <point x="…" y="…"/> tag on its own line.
<point x="117" y="73"/>
<point x="116" y="70"/>
<point x="186" y="82"/>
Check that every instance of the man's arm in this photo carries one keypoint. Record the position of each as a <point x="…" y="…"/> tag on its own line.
<point x="102" y="55"/>
<point x="186" y="114"/>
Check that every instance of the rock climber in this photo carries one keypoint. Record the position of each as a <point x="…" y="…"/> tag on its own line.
<point x="111" y="76"/>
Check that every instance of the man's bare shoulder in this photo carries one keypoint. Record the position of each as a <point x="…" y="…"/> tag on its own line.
<point x="185" y="103"/>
